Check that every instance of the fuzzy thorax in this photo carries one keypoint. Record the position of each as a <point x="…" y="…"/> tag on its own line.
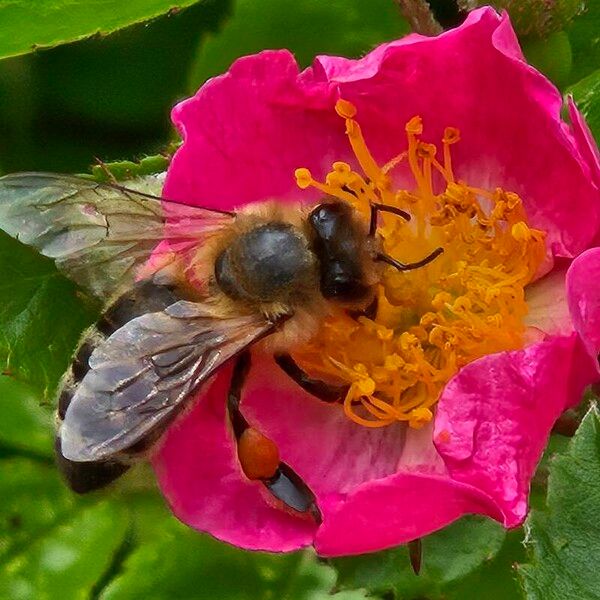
<point x="299" y="307"/>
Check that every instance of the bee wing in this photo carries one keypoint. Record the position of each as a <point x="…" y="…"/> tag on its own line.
<point x="99" y="234"/>
<point x="141" y="376"/>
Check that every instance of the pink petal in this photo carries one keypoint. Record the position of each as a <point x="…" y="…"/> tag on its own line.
<point x="199" y="474"/>
<point x="547" y="303"/>
<point x="331" y="453"/>
<point x="495" y="416"/>
<point x="585" y="141"/>
<point x="583" y="285"/>
<point x="474" y="78"/>
<point x="396" y="510"/>
<point x="490" y="429"/>
<point x="247" y="131"/>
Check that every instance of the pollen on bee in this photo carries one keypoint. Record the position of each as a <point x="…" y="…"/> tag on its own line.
<point x="431" y="321"/>
<point x="258" y="455"/>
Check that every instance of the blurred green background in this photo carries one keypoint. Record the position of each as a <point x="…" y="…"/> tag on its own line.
<point x="108" y="97"/>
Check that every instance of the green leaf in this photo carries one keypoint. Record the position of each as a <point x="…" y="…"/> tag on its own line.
<point x="551" y="55"/>
<point x="25" y="427"/>
<point x="92" y="82"/>
<point x="587" y="96"/>
<point x="449" y="556"/>
<point x="585" y="41"/>
<point x="68" y="560"/>
<point x="565" y="538"/>
<point x="307" y="28"/>
<point x="33" y="501"/>
<point x="26" y="26"/>
<point x="42" y="315"/>
<point x="55" y="545"/>
<point x="99" y="98"/>
<point x="494" y="579"/>
<point x="124" y="543"/>
<point x="181" y="563"/>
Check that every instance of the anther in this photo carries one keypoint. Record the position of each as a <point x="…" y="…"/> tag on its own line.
<point x="345" y="109"/>
<point x="521" y="232"/>
<point x="341" y="167"/>
<point x="451" y="135"/>
<point x="425" y="150"/>
<point x="415" y="126"/>
<point x="303" y="178"/>
<point x="335" y="179"/>
<point x="420" y="417"/>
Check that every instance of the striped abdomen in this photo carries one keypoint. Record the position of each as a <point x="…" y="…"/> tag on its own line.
<point x="145" y="297"/>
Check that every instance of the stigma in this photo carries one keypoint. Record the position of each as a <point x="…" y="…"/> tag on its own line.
<point x="432" y="321"/>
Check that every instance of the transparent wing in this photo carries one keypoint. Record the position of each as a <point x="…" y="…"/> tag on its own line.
<point x="99" y="234"/>
<point x="140" y="377"/>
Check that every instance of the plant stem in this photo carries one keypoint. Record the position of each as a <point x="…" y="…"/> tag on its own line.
<point x="419" y="15"/>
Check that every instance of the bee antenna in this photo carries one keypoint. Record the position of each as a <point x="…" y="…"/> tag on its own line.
<point x="376" y="208"/>
<point x="408" y="266"/>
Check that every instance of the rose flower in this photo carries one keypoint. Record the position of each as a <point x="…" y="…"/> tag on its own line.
<point x="454" y="384"/>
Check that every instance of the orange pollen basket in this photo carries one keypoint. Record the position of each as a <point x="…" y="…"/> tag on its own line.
<point x="258" y="455"/>
<point x="430" y="322"/>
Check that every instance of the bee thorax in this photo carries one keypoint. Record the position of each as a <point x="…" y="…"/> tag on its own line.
<point x="268" y="264"/>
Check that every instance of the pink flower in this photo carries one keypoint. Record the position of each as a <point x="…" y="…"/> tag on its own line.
<point x="248" y="132"/>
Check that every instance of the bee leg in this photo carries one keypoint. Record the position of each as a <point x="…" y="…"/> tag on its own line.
<point x="288" y="487"/>
<point x="259" y="456"/>
<point x="377" y="208"/>
<point x="234" y="395"/>
<point x="320" y="389"/>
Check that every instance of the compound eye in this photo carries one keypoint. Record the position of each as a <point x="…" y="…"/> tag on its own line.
<point x="330" y="219"/>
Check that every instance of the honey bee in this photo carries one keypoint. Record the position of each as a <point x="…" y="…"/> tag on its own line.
<point x="187" y="290"/>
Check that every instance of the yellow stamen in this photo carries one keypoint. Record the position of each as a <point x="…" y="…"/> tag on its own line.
<point x="432" y="321"/>
<point x="419" y="417"/>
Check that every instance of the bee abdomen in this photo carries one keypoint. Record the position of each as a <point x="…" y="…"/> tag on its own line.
<point x="145" y="297"/>
<point x="78" y="369"/>
<point x="87" y="477"/>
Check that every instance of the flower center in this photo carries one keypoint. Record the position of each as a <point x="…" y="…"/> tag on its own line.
<point x="432" y="321"/>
